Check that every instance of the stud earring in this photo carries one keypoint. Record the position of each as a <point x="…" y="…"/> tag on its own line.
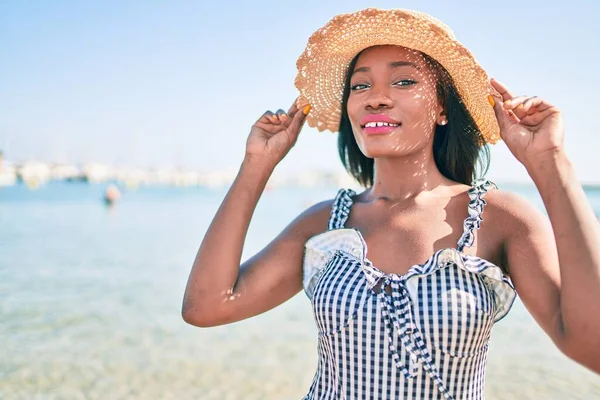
<point x="443" y="122"/>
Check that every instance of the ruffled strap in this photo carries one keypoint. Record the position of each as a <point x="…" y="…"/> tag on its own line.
<point x="340" y="210"/>
<point x="319" y="249"/>
<point x="476" y="206"/>
<point x="499" y="284"/>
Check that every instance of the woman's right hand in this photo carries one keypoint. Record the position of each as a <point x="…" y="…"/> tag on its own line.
<point x="274" y="134"/>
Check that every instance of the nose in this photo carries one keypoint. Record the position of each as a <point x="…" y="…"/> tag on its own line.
<point x="378" y="98"/>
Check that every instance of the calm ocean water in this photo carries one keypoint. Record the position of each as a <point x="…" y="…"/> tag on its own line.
<point x="90" y="301"/>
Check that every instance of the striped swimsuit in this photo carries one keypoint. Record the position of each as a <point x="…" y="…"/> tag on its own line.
<point x="420" y="335"/>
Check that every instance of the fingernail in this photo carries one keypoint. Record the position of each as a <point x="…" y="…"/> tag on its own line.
<point x="275" y="116"/>
<point x="283" y="116"/>
<point x="520" y="105"/>
<point x="306" y="109"/>
<point x="491" y="100"/>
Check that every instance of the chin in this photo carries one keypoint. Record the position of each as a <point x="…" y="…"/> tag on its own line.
<point x="383" y="152"/>
<point x="392" y="147"/>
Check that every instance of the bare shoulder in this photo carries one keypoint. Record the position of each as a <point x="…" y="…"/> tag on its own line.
<point x="311" y="221"/>
<point x="512" y="213"/>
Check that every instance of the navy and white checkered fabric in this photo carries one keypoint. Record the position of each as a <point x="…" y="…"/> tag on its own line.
<point x="421" y="335"/>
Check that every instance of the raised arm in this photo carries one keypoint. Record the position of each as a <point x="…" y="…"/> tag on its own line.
<point x="556" y="266"/>
<point x="219" y="291"/>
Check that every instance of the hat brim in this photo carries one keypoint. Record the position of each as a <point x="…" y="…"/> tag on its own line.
<point x="323" y="65"/>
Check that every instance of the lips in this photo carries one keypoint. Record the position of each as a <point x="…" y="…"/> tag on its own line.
<point x="378" y="124"/>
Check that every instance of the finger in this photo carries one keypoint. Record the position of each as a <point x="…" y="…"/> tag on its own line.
<point x="516" y="105"/>
<point x="266" y="117"/>
<point x="515" y="102"/>
<point x="506" y="118"/>
<point x="269" y="117"/>
<point x="275" y="119"/>
<point x="523" y="106"/>
<point x="268" y="127"/>
<point x="512" y="116"/>
<point x="282" y="116"/>
<point x="502" y="89"/>
<point x="532" y="110"/>
<point x="530" y="105"/>
<point x="537" y="103"/>
<point x="537" y="118"/>
<point x="298" y="120"/>
<point x="293" y="109"/>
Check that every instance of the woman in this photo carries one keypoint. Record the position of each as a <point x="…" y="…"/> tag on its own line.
<point x="412" y="316"/>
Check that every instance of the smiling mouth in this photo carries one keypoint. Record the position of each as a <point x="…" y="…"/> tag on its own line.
<point x="378" y="124"/>
<point x="379" y="128"/>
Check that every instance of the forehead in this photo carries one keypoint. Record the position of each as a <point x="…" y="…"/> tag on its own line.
<point x="389" y="53"/>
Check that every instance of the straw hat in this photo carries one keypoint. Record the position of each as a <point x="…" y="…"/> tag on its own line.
<point x="323" y="64"/>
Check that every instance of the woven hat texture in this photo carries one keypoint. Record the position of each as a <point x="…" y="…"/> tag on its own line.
<point x="323" y="64"/>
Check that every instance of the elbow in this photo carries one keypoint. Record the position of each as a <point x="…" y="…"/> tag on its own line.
<point x="190" y="317"/>
<point x="198" y="316"/>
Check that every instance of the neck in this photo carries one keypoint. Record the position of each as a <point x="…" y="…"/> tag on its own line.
<point x="405" y="177"/>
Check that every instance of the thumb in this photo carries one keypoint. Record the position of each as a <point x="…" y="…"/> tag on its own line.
<point x="505" y="118"/>
<point x="298" y="120"/>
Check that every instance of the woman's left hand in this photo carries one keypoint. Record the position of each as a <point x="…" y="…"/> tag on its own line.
<point x="530" y="126"/>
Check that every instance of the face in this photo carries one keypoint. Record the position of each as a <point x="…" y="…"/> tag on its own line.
<point x="393" y="106"/>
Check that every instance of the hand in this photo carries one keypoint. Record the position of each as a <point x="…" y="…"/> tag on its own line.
<point x="273" y="135"/>
<point x="530" y="126"/>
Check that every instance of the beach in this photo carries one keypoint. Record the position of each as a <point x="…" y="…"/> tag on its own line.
<point x="91" y="305"/>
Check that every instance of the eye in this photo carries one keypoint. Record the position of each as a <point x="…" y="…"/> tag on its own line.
<point x="405" y="82"/>
<point x="359" y="86"/>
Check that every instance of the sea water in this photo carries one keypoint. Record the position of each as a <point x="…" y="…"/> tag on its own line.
<point x="90" y="305"/>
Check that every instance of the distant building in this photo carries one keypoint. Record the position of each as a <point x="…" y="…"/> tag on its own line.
<point x="34" y="173"/>
<point x="8" y="172"/>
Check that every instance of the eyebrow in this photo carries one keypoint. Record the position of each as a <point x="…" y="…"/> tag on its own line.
<point x="395" y="64"/>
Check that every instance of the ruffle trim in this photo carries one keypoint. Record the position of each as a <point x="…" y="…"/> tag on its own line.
<point x="476" y="205"/>
<point x="321" y="248"/>
<point x="340" y="210"/>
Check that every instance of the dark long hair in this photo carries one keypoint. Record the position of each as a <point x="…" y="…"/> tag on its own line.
<point x="457" y="146"/>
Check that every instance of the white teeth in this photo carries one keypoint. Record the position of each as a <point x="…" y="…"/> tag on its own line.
<point x="375" y="124"/>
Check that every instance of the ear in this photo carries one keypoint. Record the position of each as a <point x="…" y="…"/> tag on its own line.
<point x="440" y="116"/>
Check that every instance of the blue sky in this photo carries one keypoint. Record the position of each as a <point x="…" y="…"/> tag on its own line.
<point x="149" y="83"/>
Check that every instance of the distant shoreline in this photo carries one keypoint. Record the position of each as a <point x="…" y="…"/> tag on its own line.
<point x="35" y="174"/>
<point x="291" y="184"/>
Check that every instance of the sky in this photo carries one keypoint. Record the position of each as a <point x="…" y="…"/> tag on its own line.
<point x="180" y="83"/>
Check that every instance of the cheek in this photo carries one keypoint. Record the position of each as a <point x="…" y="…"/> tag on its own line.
<point x="353" y="108"/>
<point x="422" y="106"/>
